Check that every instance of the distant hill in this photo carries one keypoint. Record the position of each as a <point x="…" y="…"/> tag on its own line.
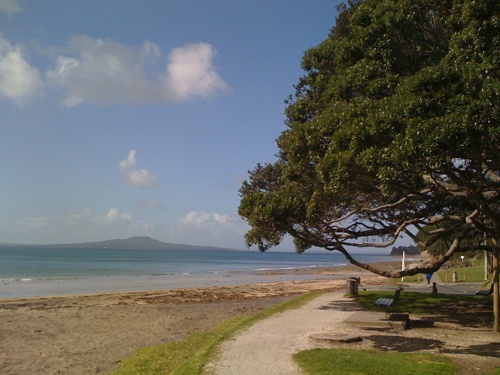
<point x="132" y="243"/>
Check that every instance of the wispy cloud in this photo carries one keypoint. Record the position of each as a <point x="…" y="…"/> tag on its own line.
<point x="10" y="7"/>
<point x="113" y="215"/>
<point x="136" y="177"/>
<point x="205" y="228"/>
<point x="108" y="72"/>
<point x="195" y="219"/>
<point x="18" y="79"/>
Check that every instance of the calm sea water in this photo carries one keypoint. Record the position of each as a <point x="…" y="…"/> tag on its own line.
<point x="31" y="272"/>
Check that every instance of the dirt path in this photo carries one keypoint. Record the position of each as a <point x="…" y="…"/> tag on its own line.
<point x="267" y="347"/>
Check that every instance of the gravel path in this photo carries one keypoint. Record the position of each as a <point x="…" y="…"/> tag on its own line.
<point x="267" y="346"/>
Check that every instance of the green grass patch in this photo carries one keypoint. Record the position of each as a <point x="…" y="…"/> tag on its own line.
<point x="188" y="357"/>
<point x="466" y="310"/>
<point x="417" y="303"/>
<point x="368" y="362"/>
<point x="471" y="274"/>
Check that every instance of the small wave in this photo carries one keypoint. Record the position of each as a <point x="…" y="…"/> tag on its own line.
<point x="281" y="268"/>
<point x="299" y="267"/>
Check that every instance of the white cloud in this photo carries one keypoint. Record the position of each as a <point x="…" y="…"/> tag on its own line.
<point x="208" y="228"/>
<point x="191" y="72"/>
<point x="18" y="79"/>
<point x="129" y="162"/>
<point x="205" y="219"/>
<point x="10" y="7"/>
<point x="113" y="216"/>
<point x="133" y="176"/>
<point x="108" y="72"/>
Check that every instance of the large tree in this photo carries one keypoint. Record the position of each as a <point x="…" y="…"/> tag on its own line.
<point x="393" y="129"/>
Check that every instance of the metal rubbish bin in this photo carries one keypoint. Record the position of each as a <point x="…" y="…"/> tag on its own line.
<point x="351" y="287"/>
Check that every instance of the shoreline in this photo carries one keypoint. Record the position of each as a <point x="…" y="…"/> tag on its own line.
<point x="12" y="289"/>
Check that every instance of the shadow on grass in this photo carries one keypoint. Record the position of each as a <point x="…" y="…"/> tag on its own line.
<point x="402" y="344"/>
<point x="464" y="310"/>
<point x="484" y="350"/>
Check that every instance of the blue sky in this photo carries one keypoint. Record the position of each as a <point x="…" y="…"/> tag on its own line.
<point x="125" y="118"/>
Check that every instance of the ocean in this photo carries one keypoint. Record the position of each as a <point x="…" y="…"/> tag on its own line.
<point x="31" y="272"/>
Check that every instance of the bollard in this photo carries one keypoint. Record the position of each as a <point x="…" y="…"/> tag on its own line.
<point x="434" y="288"/>
<point x="351" y="287"/>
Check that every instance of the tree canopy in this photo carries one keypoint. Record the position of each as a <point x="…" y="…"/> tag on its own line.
<point x="393" y="128"/>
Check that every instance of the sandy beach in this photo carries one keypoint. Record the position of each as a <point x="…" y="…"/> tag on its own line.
<point x="90" y="334"/>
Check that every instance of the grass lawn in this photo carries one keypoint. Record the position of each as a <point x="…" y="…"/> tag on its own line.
<point x="469" y="310"/>
<point x="471" y="274"/>
<point x="372" y="362"/>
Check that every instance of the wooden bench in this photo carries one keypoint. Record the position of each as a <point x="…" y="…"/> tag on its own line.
<point x="485" y="292"/>
<point x="388" y="303"/>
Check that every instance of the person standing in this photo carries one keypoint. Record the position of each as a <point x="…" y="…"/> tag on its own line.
<point x="428" y="276"/>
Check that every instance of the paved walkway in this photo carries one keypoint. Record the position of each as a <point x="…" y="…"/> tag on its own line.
<point x="267" y="346"/>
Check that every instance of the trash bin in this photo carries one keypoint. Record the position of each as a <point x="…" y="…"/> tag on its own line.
<point x="351" y="287"/>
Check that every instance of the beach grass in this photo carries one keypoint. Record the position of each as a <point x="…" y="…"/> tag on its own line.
<point x="190" y="356"/>
<point x="368" y="362"/>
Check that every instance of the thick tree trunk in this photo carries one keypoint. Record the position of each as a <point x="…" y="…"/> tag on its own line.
<point x="495" y="242"/>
